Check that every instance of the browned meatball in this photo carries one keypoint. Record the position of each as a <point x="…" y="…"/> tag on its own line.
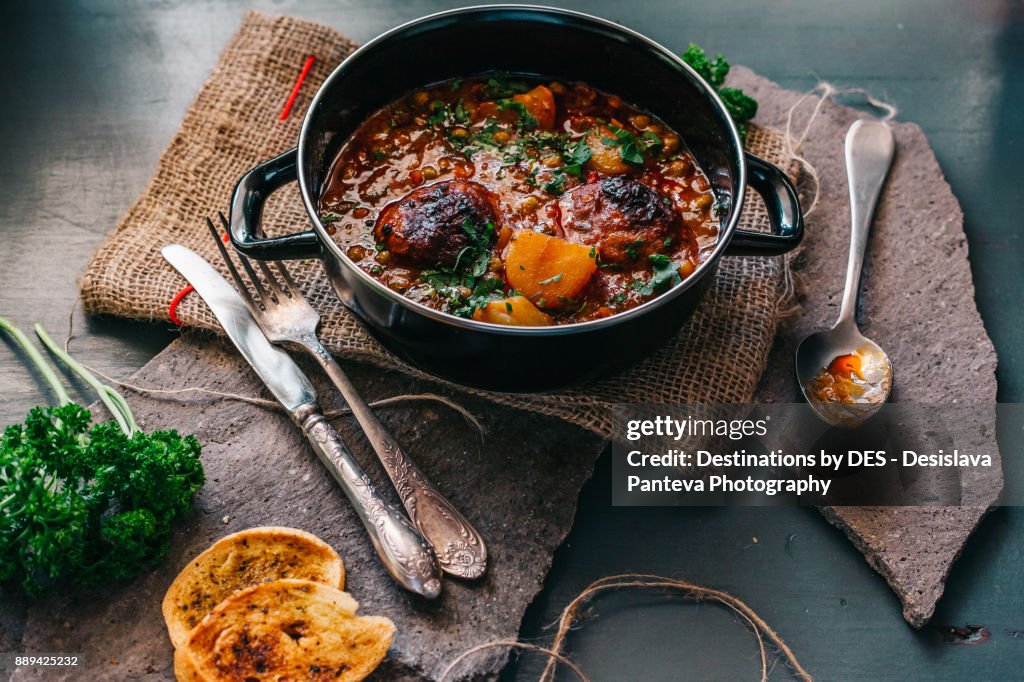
<point x="625" y="219"/>
<point x="426" y="225"/>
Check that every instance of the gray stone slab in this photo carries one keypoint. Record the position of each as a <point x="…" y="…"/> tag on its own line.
<point x="917" y="302"/>
<point x="518" y="484"/>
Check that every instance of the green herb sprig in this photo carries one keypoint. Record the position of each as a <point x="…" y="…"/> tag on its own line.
<point x="84" y="504"/>
<point x="741" y="106"/>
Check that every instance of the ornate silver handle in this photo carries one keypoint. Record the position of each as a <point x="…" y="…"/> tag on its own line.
<point x="407" y="556"/>
<point x="460" y="549"/>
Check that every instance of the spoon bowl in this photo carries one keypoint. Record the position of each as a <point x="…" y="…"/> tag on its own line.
<point x="869" y="152"/>
<point x="817" y="351"/>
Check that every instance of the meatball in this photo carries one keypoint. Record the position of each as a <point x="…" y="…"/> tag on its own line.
<point x="426" y="225"/>
<point x="625" y="219"/>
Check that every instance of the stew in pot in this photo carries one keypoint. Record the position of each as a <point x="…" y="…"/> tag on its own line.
<point x="517" y="201"/>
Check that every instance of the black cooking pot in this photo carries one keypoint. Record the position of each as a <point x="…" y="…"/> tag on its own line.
<point x="556" y="44"/>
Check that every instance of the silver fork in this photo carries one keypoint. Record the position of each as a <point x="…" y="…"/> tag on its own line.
<point x="288" y="319"/>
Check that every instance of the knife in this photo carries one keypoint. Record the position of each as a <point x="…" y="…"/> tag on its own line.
<point x="408" y="557"/>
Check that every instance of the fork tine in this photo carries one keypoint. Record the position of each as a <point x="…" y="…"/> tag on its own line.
<point x="287" y="278"/>
<point x="278" y="291"/>
<point x="239" y="282"/>
<point x="264" y="294"/>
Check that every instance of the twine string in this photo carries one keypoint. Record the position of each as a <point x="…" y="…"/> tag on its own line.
<point x="171" y="393"/>
<point x="512" y="644"/>
<point x="824" y="91"/>
<point x="570" y="617"/>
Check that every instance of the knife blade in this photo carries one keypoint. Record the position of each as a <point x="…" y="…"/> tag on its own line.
<point x="408" y="557"/>
<point x="273" y="365"/>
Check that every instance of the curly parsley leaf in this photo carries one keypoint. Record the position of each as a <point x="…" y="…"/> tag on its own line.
<point x="84" y="504"/>
<point x="741" y="106"/>
<point x="713" y="71"/>
<point x="89" y="504"/>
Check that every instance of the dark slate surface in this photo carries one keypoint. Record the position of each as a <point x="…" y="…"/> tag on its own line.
<point x="519" y="491"/>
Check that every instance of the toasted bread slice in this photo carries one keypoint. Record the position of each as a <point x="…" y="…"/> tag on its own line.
<point x="243" y="559"/>
<point x="184" y="671"/>
<point x="287" y="630"/>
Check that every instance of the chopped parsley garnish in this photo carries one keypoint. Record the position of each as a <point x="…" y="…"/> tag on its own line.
<point x="666" y="272"/>
<point x="500" y="86"/>
<point x="557" y="183"/>
<point x="631" y="250"/>
<point x="659" y="260"/>
<point x="575" y="156"/>
<point x="651" y="142"/>
<point x="630" y="149"/>
<point x="329" y="217"/>
<point x="481" y="137"/>
<point x="527" y="121"/>
<point x="468" y="272"/>
<point x="439" y="114"/>
<point x="551" y="280"/>
<point x="460" y="114"/>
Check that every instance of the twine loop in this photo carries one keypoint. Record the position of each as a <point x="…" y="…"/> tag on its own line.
<point x="825" y="91"/>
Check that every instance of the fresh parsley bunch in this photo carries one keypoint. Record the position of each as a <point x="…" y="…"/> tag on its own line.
<point x="84" y="504"/>
<point x="741" y="106"/>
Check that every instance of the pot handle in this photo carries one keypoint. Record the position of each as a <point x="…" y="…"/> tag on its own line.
<point x="251" y="193"/>
<point x="784" y="215"/>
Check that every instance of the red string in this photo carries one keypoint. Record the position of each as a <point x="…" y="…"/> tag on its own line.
<point x="173" y="307"/>
<point x="295" y="91"/>
<point x="175" y="301"/>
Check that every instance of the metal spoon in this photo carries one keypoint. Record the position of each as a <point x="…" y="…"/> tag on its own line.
<point x="869" y="151"/>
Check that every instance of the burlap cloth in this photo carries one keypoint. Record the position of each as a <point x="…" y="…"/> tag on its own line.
<point x="234" y="124"/>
